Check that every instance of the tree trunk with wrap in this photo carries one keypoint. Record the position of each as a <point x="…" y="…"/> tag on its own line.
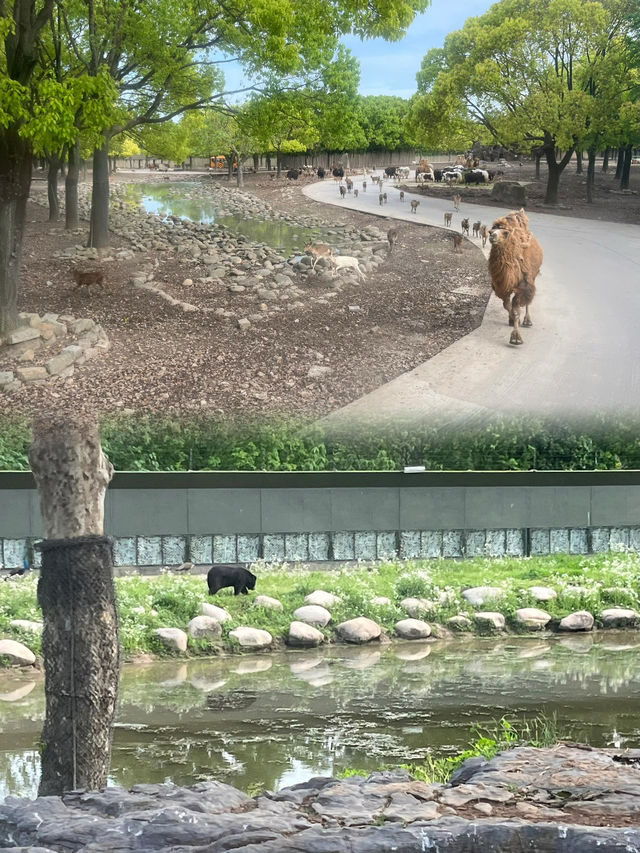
<point x="71" y="217"/>
<point x="77" y="596"/>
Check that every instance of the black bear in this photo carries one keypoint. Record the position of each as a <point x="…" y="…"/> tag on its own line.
<point x="236" y="576"/>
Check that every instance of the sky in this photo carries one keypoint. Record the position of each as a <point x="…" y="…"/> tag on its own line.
<point x="390" y="68"/>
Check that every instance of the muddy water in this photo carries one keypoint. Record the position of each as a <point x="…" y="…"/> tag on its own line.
<point x="183" y="200"/>
<point x="261" y="722"/>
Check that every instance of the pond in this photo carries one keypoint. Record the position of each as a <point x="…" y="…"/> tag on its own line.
<point x="184" y="200"/>
<point x="264" y="721"/>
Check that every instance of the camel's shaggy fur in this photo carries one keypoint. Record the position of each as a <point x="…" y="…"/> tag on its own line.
<point x="514" y="263"/>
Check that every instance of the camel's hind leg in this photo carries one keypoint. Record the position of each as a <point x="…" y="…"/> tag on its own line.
<point x="516" y="337"/>
<point x="524" y="294"/>
<point x="506" y="303"/>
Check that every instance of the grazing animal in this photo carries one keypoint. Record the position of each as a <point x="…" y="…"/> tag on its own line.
<point x="380" y="199"/>
<point x="437" y="175"/>
<point x="317" y="251"/>
<point x="343" y="262"/>
<point x="401" y="195"/>
<point x="355" y="193"/>
<point x="414" y="205"/>
<point x="88" y="276"/>
<point x="476" y="229"/>
<point x="457" y="242"/>
<point x="241" y="579"/>
<point x="321" y="172"/>
<point x="364" y="186"/>
<point x="484" y="233"/>
<point x="338" y="173"/>
<point x="464" y="225"/>
<point x="390" y="171"/>
<point x="384" y="197"/>
<point x="456" y="201"/>
<point x="343" y="191"/>
<point x="514" y="263"/>
<point x="293" y="174"/>
<point x="392" y="237"/>
<point x="349" y="185"/>
<point x="447" y="219"/>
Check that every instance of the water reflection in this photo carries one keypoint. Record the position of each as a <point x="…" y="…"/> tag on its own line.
<point x="265" y="721"/>
<point x="183" y="200"/>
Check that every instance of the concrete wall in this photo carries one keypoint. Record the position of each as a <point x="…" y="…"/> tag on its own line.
<point x="165" y="518"/>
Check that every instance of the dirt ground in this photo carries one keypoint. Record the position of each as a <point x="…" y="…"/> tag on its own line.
<point x="419" y="301"/>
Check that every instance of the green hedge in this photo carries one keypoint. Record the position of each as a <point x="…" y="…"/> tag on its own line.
<point x="143" y="443"/>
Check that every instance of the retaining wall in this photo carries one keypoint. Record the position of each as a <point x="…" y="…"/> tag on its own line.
<point x="165" y="518"/>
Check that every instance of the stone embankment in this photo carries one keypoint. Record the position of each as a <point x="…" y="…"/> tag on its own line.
<point x="565" y="799"/>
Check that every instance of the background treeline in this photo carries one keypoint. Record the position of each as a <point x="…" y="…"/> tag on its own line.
<point x="149" y="444"/>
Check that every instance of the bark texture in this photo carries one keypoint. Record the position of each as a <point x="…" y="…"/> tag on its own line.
<point x="77" y="596"/>
<point x="15" y="182"/>
<point x="71" y="215"/>
<point x="99" y="227"/>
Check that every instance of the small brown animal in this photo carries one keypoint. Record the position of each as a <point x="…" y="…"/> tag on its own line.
<point x="484" y="233"/>
<point x="457" y="242"/>
<point x="414" y="205"/>
<point x="384" y="197"/>
<point x="456" y="201"/>
<point x="343" y="191"/>
<point x="401" y="195"/>
<point x="447" y="219"/>
<point x="364" y="186"/>
<point x="392" y="237"/>
<point x="87" y="276"/>
<point x="317" y="251"/>
<point x="380" y="199"/>
<point x="476" y="229"/>
<point x="464" y="225"/>
<point x="355" y="193"/>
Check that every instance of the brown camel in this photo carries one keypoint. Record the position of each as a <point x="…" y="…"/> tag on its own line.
<point x="514" y="263"/>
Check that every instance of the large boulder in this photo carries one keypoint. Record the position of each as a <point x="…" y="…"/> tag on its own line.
<point x="542" y="593"/>
<point x="322" y="598"/>
<point x="267" y="602"/>
<point x="412" y="629"/>
<point x="16" y="653"/>
<point x="312" y="614"/>
<point x="302" y="634"/>
<point x="381" y="601"/>
<point x="532" y="617"/>
<point x="217" y="613"/>
<point x="459" y="622"/>
<point x="204" y="628"/>
<point x="490" y="621"/>
<point x="477" y="595"/>
<point x="359" y="630"/>
<point x="416" y="607"/>
<point x="512" y="193"/>
<point x="581" y="620"/>
<point x="251" y="638"/>
<point x="172" y="638"/>
<point x="616" y="617"/>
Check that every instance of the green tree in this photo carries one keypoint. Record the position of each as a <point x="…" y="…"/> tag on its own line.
<point x="382" y="118"/>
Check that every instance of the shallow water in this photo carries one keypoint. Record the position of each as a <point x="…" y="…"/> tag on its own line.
<point x="183" y="200"/>
<point x="264" y="721"/>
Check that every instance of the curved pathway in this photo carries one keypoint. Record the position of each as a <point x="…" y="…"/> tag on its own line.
<point x="581" y="356"/>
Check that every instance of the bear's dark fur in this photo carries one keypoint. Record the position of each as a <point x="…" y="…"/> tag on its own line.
<point x="236" y="576"/>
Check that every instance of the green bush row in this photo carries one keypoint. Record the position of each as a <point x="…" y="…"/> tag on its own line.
<point x="146" y="443"/>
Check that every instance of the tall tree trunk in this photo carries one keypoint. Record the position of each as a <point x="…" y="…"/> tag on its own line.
<point x="555" y="169"/>
<point x="619" y="163"/>
<point x="77" y="596"/>
<point x="15" y="182"/>
<point x="538" y="158"/>
<point x="99" y="227"/>
<point x="605" y="160"/>
<point x="591" y="175"/>
<point x="52" y="186"/>
<point x="240" y="173"/>
<point x="256" y="163"/>
<point x="578" y="162"/>
<point x="71" y="217"/>
<point x="278" y="163"/>
<point x="626" y="168"/>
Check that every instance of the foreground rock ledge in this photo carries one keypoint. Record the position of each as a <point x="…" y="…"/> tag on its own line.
<point x="566" y="799"/>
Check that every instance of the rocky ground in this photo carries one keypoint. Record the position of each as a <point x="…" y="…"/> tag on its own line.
<point x="565" y="799"/>
<point x="237" y="329"/>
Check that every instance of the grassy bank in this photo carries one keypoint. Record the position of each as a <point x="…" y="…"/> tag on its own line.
<point x="591" y="583"/>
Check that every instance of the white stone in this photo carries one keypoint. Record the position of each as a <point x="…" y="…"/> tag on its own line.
<point x="416" y="606"/>
<point x="301" y="634"/>
<point x="477" y="595"/>
<point x="218" y="613"/>
<point x="18" y="654"/>
<point x="359" y="630"/>
<point x="460" y="622"/>
<point x="204" y="627"/>
<point x="531" y="617"/>
<point x="188" y="282"/>
<point x="27" y="625"/>
<point x="413" y="629"/>
<point x="617" y="617"/>
<point x="581" y="620"/>
<point x="491" y="620"/>
<point x="322" y="598"/>
<point x="172" y="638"/>
<point x="312" y="614"/>
<point x="251" y="638"/>
<point x="268" y="602"/>
<point x="542" y="593"/>
<point x="381" y="601"/>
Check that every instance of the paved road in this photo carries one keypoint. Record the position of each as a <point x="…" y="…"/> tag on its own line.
<point x="582" y="354"/>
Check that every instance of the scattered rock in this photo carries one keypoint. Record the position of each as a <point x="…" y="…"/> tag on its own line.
<point x="268" y="602"/>
<point x="302" y="634"/>
<point x="251" y="638"/>
<point x="218" y="613"/>
<point x="542" y="593"/>
<point x="459" y="623"/>
<point x="381" y="601"/>
<point x="531" y="617"/>
<point x="417" y="606"/>
<point x="477" y="595"/>
<point x="313" y="614"/>
<point x="359" y="630"/>
<point x="27" y="625"/>
<point x="490" y="620"/>
<point x="581" y="620"/>
<point x="322" y="598"/>
<point x="17" y="654"/>
<point x="204" y="627"/>
<point x="618" y="617"/>
<point x="412" y="629"/>
<point x="172" y="638"/>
